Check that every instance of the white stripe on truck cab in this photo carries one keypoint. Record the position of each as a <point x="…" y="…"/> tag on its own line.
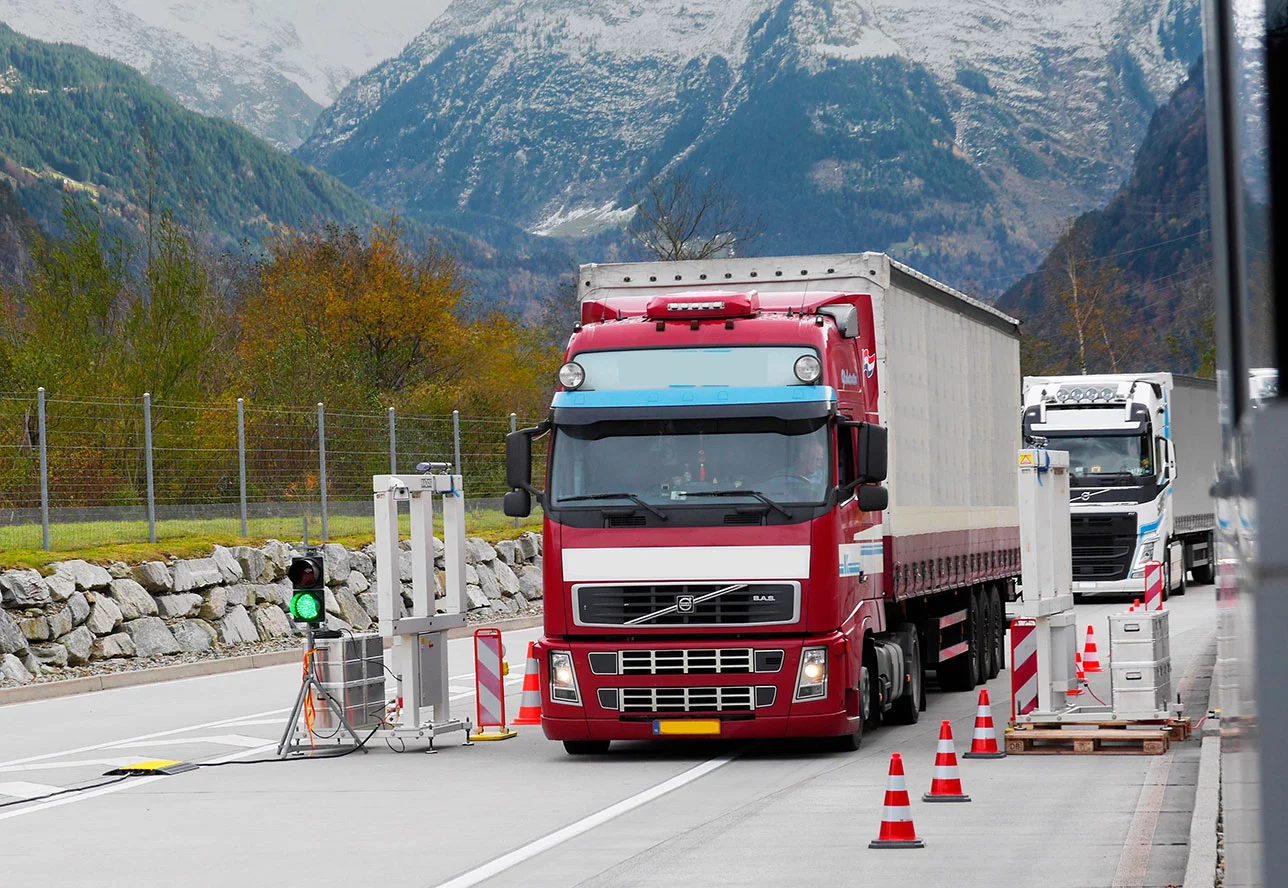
<point x="674" y="563"/>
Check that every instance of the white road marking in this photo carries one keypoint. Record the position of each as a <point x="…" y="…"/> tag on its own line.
<point x="223" y="722"/>
<point x="219" y="739"/>
<point x="72" y="798"/>
<point x="558" y="837"/>
<point x="112" y="762"/>
<point x="21" y="790"/>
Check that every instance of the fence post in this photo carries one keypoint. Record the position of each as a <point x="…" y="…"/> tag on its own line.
<point x="241" y="460"/>
<point x="44" y="469"/>
<point x="147" y="447"/>
<point x="322" y="466"/>
<point x="393" y="445"/>
<point x="456" y="440"/>
<point x="514" y="419"/>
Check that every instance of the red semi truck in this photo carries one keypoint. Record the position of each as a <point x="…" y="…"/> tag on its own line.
<point x="777" y="493"/>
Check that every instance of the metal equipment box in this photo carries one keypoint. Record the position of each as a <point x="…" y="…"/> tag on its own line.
<point x="351" y="670"/>
<point x="1139" y="637"/>
<point x="1142" y="690"/>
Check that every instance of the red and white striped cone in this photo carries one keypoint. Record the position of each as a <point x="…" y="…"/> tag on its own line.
<point x="897" y="830"/>
<point x="946" y="785"/>
<point x="1080" y="677"/>
<point x="983" y="744"/>
<point x="1090" y="656"/>
<point x="530" y="704"/>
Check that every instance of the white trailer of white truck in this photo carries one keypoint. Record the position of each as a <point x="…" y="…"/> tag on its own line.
<point x="1142" y="450"/>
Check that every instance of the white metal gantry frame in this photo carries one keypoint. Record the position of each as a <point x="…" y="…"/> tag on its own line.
<point x="1046" y="565"/>
<point x="420" y="637"/>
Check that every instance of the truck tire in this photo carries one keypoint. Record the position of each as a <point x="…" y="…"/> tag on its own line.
<point x="961" y="673"/>
<point x="586" y="747"/>
<point x="997" y="633"/>
<point x="907" y="709"/>
<point x="981" y="640"/>
<point x="851" y="742"/>
<point x="1205" y="575"/>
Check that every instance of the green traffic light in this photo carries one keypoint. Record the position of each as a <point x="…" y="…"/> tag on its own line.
<point x="305" y="607"/>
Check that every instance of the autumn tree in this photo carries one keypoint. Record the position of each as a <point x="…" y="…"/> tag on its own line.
<point x="678" y="216"/>
<point x="349" y="318"/>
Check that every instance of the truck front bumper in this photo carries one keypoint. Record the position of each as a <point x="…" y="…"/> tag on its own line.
<point x="631" y="704"/>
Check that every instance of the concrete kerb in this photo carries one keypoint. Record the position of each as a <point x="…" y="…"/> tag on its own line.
<point x="1200" y="869"/>
<point x="50" y="690"/>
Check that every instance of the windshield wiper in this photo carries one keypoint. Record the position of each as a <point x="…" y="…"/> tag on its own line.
<point x="752" y="493"/>
<point x="605" y="496"/>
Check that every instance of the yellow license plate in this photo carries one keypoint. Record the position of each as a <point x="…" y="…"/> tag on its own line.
<point x="679" y="727"/>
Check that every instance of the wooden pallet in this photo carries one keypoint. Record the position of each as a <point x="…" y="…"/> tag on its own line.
<point x="1177" y="729"/>
<point x="1086" y="741"/>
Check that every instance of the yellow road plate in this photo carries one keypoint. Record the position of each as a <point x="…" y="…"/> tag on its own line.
<point x="678" y="727"/>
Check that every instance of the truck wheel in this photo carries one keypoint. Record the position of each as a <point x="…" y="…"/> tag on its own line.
<point x="851" y="742"/>
<point x="981" y="640"/>
<point x="961" y="673"/>
<point x="1205" y="575"/>
<point x="907" y="709"/>
<point x="997" y="633"/>
<point x="586" y="747"/>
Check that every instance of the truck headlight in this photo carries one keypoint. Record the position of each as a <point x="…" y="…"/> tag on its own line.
<point x="571" y="376"/>
<point x="811" y="682"/>
<point x="1147" y="545"/>
<point x="563" y="678"/>
<point x="808" y="369"/>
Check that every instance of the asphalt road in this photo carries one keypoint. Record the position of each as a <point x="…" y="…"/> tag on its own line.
<point x="521" y="812"/>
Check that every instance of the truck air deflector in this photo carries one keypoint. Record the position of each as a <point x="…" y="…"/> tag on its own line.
<point x="786" y="402"/>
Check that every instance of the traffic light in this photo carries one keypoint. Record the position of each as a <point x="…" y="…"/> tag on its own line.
<point x="308" y="595"/>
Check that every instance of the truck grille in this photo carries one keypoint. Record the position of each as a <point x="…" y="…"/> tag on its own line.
<point x="680" y="604"/>
<point x="686" y="662"/>
<point x="1103" y="546"/>
<point x="688" y="699"/>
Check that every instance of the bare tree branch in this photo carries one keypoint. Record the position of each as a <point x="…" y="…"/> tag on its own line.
<point x="679" y="217"/>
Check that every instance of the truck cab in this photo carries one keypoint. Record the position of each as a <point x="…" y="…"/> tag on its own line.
<point x="1117" y="431"/>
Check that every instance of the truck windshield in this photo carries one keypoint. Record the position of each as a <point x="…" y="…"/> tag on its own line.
<point x="662" y="462"/>
<point x="653" y="368"/>
<point x="1105" y="459"/>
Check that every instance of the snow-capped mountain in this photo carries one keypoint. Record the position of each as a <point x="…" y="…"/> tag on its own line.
<point x="270" y="65"/>
<point x="953" y="132"/>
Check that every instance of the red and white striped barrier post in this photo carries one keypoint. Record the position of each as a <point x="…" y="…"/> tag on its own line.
<point x="1153" y="585"/>
<point x="1024" y="667"/>
<point x="489" y="685"/>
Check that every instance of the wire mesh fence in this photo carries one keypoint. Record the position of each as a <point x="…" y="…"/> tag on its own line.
<point x="82" y="472"/>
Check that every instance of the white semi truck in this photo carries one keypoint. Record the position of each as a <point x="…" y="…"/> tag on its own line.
<point x="1142" y="455"/>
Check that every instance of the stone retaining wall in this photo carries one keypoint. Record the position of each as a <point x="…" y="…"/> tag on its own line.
<point x="83" y="612"/>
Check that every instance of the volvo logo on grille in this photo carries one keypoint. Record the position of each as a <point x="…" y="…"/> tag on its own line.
<point x="684" y="604"/>
<point x="1086" y="495"/>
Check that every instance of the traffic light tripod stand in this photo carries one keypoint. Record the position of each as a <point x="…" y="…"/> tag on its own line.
<point x="311" y="689"/>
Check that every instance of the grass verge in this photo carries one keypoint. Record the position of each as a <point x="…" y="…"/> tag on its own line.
<point x="98" y="540"/>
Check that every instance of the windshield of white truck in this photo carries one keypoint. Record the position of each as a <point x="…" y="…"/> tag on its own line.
<point x="655" y="368"/>
<point x="675" y="462"/>
<point x="1105" y="459"/>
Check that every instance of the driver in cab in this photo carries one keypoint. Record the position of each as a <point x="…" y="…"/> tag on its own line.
<point x="806" y="479"/>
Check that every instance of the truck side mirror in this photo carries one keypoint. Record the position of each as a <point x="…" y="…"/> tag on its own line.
<point x="872" y="498"/>
<point x="872" y="457"/>
<point x="518" y="459"/>
<point x="517" y="504"/>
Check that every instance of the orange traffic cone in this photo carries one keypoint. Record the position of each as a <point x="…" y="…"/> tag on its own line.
<point x="897" y="830"/>
<point x="530" y="704"/>
<point x="983" y="744"/>
<point x="946" y="785"/>
<point x="1080" y="677"/>
<point x="1090" y="657"/>
<point x="1135" y="605"/>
